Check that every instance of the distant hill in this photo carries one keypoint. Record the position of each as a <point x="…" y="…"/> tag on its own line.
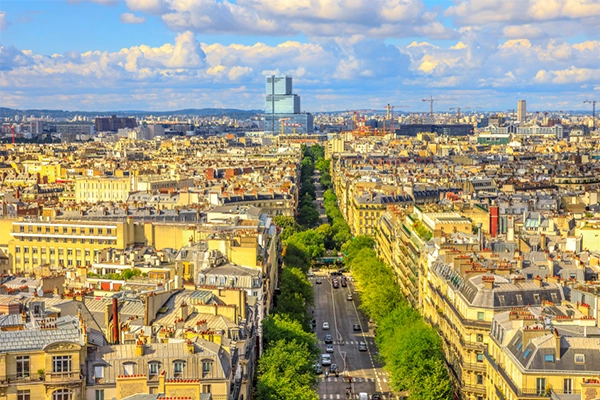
<point x="190" y="112"/>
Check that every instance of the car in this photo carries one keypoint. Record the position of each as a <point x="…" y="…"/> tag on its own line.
<point x="336" y="273"/>
<point x="336" y="285"/>
<point x="349" y="297"/>
<point x="356" y="327"/>
<point x="325" y="325"/>
<point x="318" y="280"/>
<point x="318" y="369"/>
<point x="362" y="346"/>
<point x="325" y="359"/>
<point x="363" y="396"/>
<point x="334" y="369"/>
<point x="377" y="396"/>
<point x="328" y="339"/>
<point x="329" y="348"/>
<point x="344" y="284"/>
<point x="310" y="274"/>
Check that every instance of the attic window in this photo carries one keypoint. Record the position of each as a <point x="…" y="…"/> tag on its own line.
<point x="519" y="298"/>
<point x="549" y="358"/>
<point x="579" y="359"/>
<point x="527" y="352"/>
<point x="519" y="345"/>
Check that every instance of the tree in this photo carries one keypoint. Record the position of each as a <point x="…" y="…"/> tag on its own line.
<point x="310" y="242"/>
<point x="327" y="232"/>
<point x="352" y="247"/>
<point x="286" y="372"/>
<point x="322" y="165"/>
<point x="278" y="327"/>
<point x="296" y="257"/>
<point x="309" y="216"/>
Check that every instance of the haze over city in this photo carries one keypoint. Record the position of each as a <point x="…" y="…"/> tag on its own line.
<point x="103" y="55"/>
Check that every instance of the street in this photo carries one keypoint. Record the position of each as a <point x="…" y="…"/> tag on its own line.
<point x="332" y="306"/>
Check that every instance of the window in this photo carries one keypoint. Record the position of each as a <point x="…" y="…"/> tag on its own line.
<point x="540" y="386"/>
<point x="579" y="359"/>
<point x="568" y="386"/>
<point x="206" y="367"/>
<point x="536" y="297"/>
<point x="519" y="345"/>
<point x="22" y="366"/>
<point x="98" y="373"/>
<point x="128" y="368"/>
<point x="480" y="315"/>
<point x="549" y="358"/>
<point x="520" y="297"/>
<point x="61" y="364"/>
<point x="153" y="368"/>
<point x="62" y="394"/>
<point x="17" y="249"/>
<point x="479" y="379"/>
<point x="205" y="388"/>
<point x="100" y="394"/>
<point x="178" y="369"/>
<point x="23" y="395"/>
<point x="479" y="358"/>
<point x="527" y="352"/>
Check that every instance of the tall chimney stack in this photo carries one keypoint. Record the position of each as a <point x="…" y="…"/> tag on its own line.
<point x="115" y="312"/>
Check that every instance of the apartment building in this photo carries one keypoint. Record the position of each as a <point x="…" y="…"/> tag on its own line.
<point x="42" y="360"/>
<point x="63" y="243"/>
<point x="98" y="189"/>
<point x="540" y="352"/>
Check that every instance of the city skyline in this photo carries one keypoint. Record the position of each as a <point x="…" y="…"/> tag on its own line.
<point x="163" y="55"/>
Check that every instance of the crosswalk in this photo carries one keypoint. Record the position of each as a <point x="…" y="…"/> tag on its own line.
<point x="354" y="380"/>
<point x="370" y="342"/>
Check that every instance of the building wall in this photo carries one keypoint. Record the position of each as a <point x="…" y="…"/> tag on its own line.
<point x="93" y="190"/>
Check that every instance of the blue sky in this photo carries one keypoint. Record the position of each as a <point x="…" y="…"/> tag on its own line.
<point x="343" y="54"/>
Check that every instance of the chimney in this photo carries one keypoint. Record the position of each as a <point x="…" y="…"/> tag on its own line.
<point x="538" y="281"/>
<point x="557" y="344"/>
<point x="488" y="282"/>
<point x="510" y="234"/>
<point x="183" y="311"/>
<point x="543" y="244"/>
<point x="494" y="219"/>
<point x="139" y="348"/>
<point x="115" y="312"/>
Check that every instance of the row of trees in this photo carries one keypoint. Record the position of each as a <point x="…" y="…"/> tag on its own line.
<point x="410" y="348"/>
<point x="286" y="368"/>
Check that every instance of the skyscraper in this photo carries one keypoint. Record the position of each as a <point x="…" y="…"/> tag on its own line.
<point x="521" y="110"/>
<point x="283" y="106"/>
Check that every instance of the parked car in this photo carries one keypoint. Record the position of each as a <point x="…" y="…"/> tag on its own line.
<point x="377" y="396"/>
<point x="318" y="369"/>
<point x="349" y="297"/>
<point x="310" y="274"/>
<point x="325" y="325"/>
<point x="325" y="359"/>
<point x="356" y="327"/>
<point x="344" y="283"/>
<point x="329" y="348"/>
<point x="318" y="280"/>
<point x="328" y="339"/>
<point x="362" y="346"/>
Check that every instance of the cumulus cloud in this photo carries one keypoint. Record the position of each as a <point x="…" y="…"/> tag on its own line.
<point x="129" y="18"/>
<point x="156" y="7"/>
<point x="314" y="18"/>
<point x="3" y="23"/>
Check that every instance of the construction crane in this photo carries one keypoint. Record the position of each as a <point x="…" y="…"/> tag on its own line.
<point x="390" y="114"/>
<point x="430" y="100"/>
<point x="593" y="103"/>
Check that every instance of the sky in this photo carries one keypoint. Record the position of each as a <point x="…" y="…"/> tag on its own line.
<point x="102" y="55"/>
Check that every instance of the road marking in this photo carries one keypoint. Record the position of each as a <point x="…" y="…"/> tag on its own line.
<point x="324" y="396"/>
<point x="384" y="380"/>
<point x="338" y="396"/>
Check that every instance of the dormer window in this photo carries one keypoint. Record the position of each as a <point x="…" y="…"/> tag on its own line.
<point x="178" y="368"/>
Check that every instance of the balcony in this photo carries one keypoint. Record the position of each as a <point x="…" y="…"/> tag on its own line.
<point x="480" y="367"/>
<point x="63" y="376"/>
<point x="473" y="389"/>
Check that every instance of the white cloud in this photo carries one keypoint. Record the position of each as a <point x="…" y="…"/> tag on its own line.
<point x="3" y="23"/>
<point x="129" y="18"/>
<point x="156" y="7"/>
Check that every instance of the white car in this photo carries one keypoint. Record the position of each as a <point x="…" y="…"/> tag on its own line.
<point x="329" y="348"/>
<point x="326" y="359"/>
<point x="325" y="325"/>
